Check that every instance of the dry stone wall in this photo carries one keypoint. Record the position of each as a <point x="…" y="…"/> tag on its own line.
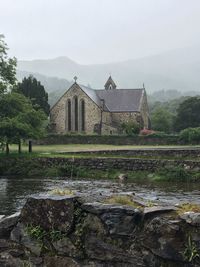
<point x="62" y="231"/>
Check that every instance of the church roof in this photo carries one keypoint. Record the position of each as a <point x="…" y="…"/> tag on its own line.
<point x="119" y="100"/>
<point x="122" y="100"/>
<point x="91" y="93"/>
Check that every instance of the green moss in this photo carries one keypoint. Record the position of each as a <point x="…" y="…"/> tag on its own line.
<point x="62" y="192"/>
<point x="122" y="200"/>
<point x="185" y="207"/>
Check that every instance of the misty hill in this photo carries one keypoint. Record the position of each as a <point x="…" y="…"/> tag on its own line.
<point x="177" y="69"/>
<point x="51" y="84"/>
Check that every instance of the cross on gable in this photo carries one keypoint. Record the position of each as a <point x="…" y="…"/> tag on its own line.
<point x="75" y="78"/>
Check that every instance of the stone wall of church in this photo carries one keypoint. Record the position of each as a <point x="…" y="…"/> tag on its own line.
<point x="59" y="118"/>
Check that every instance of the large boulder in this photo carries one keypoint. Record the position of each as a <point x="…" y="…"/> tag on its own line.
<point x="118" y="219"/>
<point x="52" y="212"/>
<point x="165" y="238"/>
<point x="191" y="218"/>
<point x="99" y="250"/>
<point x="7" y="224"/>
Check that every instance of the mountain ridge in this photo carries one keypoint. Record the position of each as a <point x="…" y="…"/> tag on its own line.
<point x="176" y="69"/>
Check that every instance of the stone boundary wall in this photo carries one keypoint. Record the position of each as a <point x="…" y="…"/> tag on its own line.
<point x="110" y="140"/>
<point x="58" y="231"/>
<point x="119" y="163"/>
<point x="154" y="152"/>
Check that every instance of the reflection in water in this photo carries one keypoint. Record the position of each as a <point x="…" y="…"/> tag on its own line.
<point x="14" y="191"/>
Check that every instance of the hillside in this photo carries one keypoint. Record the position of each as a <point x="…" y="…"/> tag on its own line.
<point x="177" y="69"/>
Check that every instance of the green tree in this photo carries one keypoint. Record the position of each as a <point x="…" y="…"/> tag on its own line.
<point x="130" y="128"/>
<point x="7" y="67"/>
<point x="188" y="114"/>
<point x="19" y="120"/>
<point x="162" y="120"/>
<point x="35" y="91"/>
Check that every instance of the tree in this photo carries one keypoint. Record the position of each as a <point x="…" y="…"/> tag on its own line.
<point x="188" y="114"/>
<point x="130" y="128"/>
<point x="7" y="67"/>
<point x="162" y="120"/>
<point x="35" y="91"/>
<point x="19" y="120"/>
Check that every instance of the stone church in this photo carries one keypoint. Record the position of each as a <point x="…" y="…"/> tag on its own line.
<point x="85" y="110"/>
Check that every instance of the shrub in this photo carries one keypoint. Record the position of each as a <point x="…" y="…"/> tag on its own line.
<point x="171" y="173"/>
<point x="130" y="128"/>
<point x="147" y="132"/>
<point x="190" y="135"/>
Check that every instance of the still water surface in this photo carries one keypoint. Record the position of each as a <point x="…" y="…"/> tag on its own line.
<point x="14" y="191"/>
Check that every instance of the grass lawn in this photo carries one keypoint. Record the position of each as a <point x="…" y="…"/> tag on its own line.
<point x="86" y="147"/>
<point x="60" y="150"/>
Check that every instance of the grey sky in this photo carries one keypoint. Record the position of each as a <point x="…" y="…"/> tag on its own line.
<point x="98" y="31"/>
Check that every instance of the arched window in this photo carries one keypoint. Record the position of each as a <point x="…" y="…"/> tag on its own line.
<point x="82" y="115"/>
<point x="76" y="113"/>
<point x="69" y="113"/>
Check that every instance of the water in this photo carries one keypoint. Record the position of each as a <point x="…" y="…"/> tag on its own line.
<point x="14" y="191"/>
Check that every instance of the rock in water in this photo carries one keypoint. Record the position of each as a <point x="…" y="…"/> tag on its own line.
<point x="122" y="177"/>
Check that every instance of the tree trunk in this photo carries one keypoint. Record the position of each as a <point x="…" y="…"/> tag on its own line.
<point x="7" y="149"/>
<point x="29" y="146"/>
<point x="19" y="147"/>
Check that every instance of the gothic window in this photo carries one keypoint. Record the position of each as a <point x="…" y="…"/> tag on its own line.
<point x="69" y="120"/>
<point x="82" y="115"/>
<point x="76" y="113"/>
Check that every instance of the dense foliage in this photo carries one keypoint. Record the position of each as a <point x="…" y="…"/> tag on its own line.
<point x="190" y="135"/>
<point x="188" y="114"/>
<point x="162" y="120"/>
<point x="35" y="91"/>
<point x="18" y="119"/>
<point x="7" y="67"/>
<point x="130" y="128"/>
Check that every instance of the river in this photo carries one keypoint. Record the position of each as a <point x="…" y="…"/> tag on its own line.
<point x="14" y="190"/>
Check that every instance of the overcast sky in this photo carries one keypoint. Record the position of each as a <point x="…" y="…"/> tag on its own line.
<point x="98" y="31"/>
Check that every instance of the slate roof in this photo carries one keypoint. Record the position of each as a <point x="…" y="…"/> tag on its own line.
<point x="121" y="100"/>
<point x="92" y="94"/>
<point x="116" y="100"/>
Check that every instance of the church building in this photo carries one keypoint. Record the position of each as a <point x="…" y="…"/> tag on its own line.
<point x="84" y="110"/>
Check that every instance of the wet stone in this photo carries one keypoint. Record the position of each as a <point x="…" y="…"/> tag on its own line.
<point x="191" y="218"/>
<point x="50" y="212"/>
<point x="150" y="211"/>
<point x="56" y="261"/>
<point x="7" y="224"/>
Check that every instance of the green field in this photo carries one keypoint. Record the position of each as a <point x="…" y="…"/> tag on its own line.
<point x="86" y="147"/>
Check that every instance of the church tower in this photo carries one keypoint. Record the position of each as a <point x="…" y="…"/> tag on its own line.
<point x="110" y="84"/>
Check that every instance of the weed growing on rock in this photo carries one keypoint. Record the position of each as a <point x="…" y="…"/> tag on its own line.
<point x="122" y="200"/>
<point x="62" y="192"/>
<point x="55" y="235"/>
<point x="36" y="232"/>
<point x="189" y="207"/>
<point x="191" y="252"/>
